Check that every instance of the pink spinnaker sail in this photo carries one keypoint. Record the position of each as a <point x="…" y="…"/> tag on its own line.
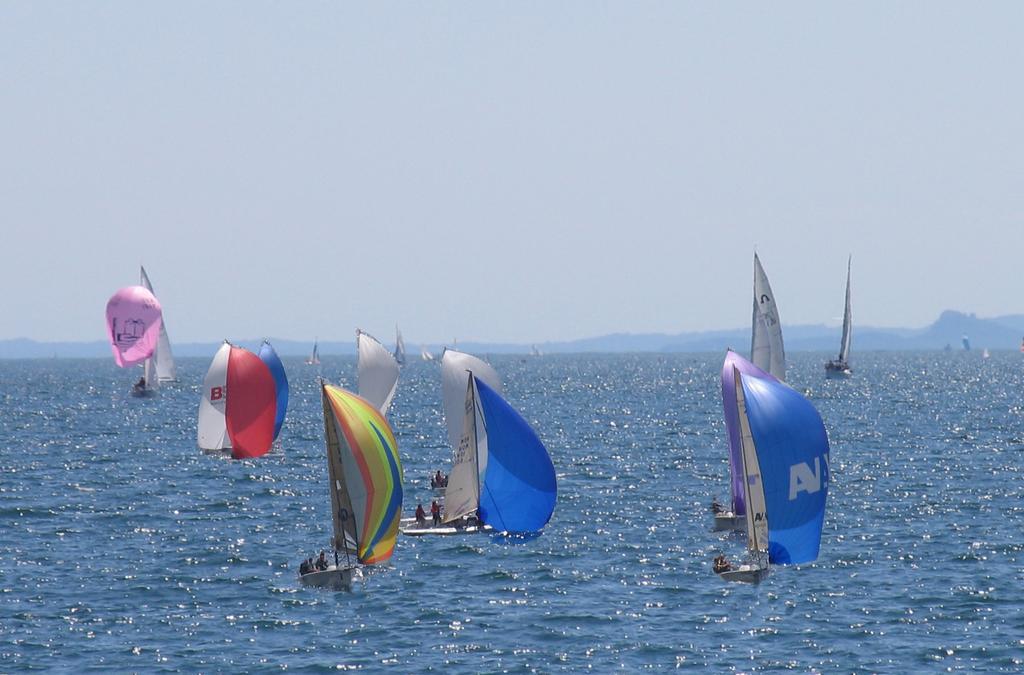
<point x="133" y="325"/>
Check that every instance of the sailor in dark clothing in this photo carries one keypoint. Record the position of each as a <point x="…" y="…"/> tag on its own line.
<point x="435" y="512"/>
<point x="305" y="567"/>
<point x="321" y="563"/>
<point x="421" y="515"/>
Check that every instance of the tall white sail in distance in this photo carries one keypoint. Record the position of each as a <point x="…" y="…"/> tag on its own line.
<point x="462" y="494"/>
<point x="377" y="370"/>
<point x="399" y="347"/>
<point x="163" y="359"/>
<point x="213" y="429"/>
<point x="757" y="520"/>
<point x="455" y="369"/>
<point x="766" y="348"/>
<point x="844" y="346"/>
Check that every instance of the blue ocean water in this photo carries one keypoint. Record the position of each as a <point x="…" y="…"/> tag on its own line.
<point x="122" y="547"/>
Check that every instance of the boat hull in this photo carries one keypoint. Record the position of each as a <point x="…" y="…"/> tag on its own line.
<point x="730" y="522"/>
<point x="443" y="530"/>
<point x="750" y="574"/>
<point x="333" y="578"/>
<point x="837" y="369"/>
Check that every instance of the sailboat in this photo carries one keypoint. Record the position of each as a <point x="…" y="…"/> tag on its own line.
<point x="534" y="351"/>
<point x="984" y="353"/>
<point x="377" y="371"/>
<point x="134" y="318"/>
<point x="425" y="354"/>
<point x="314" y="358"/>
<point x="766" y="348"/>
<point x="785" y="466"/>
<point x="734" y="517"/>
<point x="502" y="477"/>
<point x="966" y="343"/>
<point x="159" y="367"/>
<point x="399" y="347"/>
<point x="365" y="477"/>
<point x="840" y="366"/>
<point x="238" y="405"/>
<point x="273" y="361"/>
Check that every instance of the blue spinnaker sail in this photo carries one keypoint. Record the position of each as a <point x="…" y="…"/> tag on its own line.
<point x="273" y="361"/>
<point x="519" y="489"/>
<point x="792" y="453"/>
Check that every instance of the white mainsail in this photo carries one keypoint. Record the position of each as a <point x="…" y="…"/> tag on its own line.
<point x="766" y="348"/>
<point x="425" y="354"/>
<point x="462" y="495"/>
<point x="844" y="347"/>
<point x="399" y="347"/>
<point x="455" y="369"/>
<point x="378" y="372"/>
<point x="163" y="360"/>
<point x="757" y="521"/>
<point x="213" y="430"/>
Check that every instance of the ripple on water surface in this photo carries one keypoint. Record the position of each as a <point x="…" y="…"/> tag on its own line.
<point x="124" y="548"/>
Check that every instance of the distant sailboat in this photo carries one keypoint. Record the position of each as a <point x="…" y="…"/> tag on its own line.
<point x="399" y="347"/>
<point x="160" y="366"/>
<point x="984" y="353"/>
<point x="534" y="351"/>
<point x="784" y="457"/>
<point x="239" y="405"/>
<point x="364" y="473"/>
<point x="766" y="348"/>
<point x="965" y="341"/>
<point x="273" y="361"/>
<point x="840" y="367"/>
<point x="314" y="358"/>
<point x="377" y="371"/>
<point x="425" y="354"/>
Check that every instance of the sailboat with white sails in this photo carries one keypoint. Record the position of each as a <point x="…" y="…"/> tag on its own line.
<point x="314" y="357"/>
<point x="784" y="460"/>
<point x="399" y="347"/>
<point x="840" y="366"/>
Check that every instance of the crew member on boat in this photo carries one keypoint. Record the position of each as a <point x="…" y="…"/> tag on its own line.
<point x="435" y="512"/>
<point x="721" y="564"/>
<point x="321" y="562"/>
<point x="716" y="506"/>
<point x="421" y="515"/>
<point x="306" y="567"/>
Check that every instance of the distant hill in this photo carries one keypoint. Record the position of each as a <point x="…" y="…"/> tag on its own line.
<point x="1002" y="332"/>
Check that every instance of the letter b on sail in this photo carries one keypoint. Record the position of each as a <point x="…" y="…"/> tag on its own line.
<point x="804" y="479"/>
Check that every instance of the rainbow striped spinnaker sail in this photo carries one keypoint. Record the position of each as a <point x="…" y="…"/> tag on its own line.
<point x="365" y="474"/>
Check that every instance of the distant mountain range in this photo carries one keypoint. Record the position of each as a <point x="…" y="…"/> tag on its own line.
<point x="1003" y="332"/>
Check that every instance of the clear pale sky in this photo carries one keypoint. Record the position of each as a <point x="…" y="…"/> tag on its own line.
<point x="507" y="171"/>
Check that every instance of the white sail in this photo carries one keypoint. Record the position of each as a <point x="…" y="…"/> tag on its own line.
<point x="425" y="354"/>
<point x="462" y="495"/>
<point x="314" y="358"/>
<point x="757" y="521"/>
<point x="378" y="372"/>
<point x="149" y="374"/>
<point x="455" y="369"/>
<point x="163" y="359"/>
<point x="213" y="430"/>
<point x="766" y="348"/>
<point x="844" y="347"/>
<point x="399" y="347"/>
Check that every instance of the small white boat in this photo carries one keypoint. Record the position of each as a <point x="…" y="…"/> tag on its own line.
<point x="840" y="366"/>
<point x="314" y="357"/>
<point x="334" y="578"/>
